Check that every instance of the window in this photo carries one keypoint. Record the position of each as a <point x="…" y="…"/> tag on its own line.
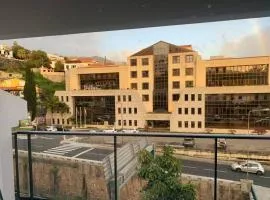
<point x="124" y="98"/>
<point x="130" y="122"/>
<point x="119" y="110"/>
<point x="145" y="97"/>
<point x="189" y="84"/>
<point x="119" y="122"/>
<point x="67" y="121"/>
<point x="199" y="124"/>
<point x="62" y="98"/>
<point x="193" y="111"/>
<point x="176" y="72"/>
<point x="180" y="111"/>
<point x="199" y="97"/>
<point x="129" y="97"/>
<point x="135" y="110"/>
<point x="53" y="121"/>
<point x="179" y="124"/>
<point x="133" y="62"/>
<point x="189" y="71"/>
<point x="145" y="74"/>
<point x="186" y="111"/>
<point x="66" y="98"/>
<point x="199" y="111"/>
<point x="192" y="97"/>
<point x="135" y="123"/>
<point x="186" y="97"/>
<point x="124" y="110"/>
<point x="58" y="121"/>
<point x="176" y="97"/>
<point x="145" y="86"/>
<point x="63" y="121"/>
<point x="125" y="122"/>
<point x="186" y="124"/>
<point x="176" y="84"/>
<point x="134" y="86"/>
<point x="145" y="61"/>
<point x="189" y="58"/>
<point x="192" y="124"/>
<point x="129" y="110"/>
<point x="175" y="59"/>
<point x="119" y="98"/>
<point x="133" y="74"/>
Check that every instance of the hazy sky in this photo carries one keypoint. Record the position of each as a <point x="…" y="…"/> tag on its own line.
<point x="230" y="38"/>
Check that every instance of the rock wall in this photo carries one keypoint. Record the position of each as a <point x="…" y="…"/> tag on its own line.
<point x="54" y="76"/>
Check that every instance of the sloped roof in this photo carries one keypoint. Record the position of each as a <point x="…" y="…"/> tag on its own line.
<point x="172" y="49"/>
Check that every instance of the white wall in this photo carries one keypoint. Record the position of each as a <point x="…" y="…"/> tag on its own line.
<point x="12" y="109"/>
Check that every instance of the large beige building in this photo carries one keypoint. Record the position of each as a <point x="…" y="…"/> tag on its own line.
<point x="172" y="87"/>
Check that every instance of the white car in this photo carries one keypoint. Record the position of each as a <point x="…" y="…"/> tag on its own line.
<point x="248" y="166"/>
<point x="110" y="131"/>
<point x="51" y="129"/>
<point x="130" y="131"/>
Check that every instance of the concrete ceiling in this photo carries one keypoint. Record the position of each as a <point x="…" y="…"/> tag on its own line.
<point x="30" y="18"/>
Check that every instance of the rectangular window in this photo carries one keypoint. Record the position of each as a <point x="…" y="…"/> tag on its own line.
<point x="63" y="121"/>
<point x="129" y="97"/>
<point x="125" y="122"/>
<point x="135" y="110"/>
<point x="145" y="74"/>
<point x="180" y="111"/>
<point x="192" y="124"/>
<point x="130" y="122"/>
<point x="175" y="97"/>
<point x="193" y="111"/>
<point x="192" y="97"/>
<point x="189" y="58"/>
<point x="176" y="72"/>
<point x="189" y="71"/>
<point x="67" y="121"/>
<point x="124" y="98"/>
<point x="62" y="98"/>
<point x="135" y="123"/>
<point x="133" y="86"/>
<point x="186" y="124"/>
<point x="175" y="59"/>
<point x="119" y="110"/>
<point x="145" y="97"/>
<point x="199" y="111"/>
<point x="189" y="84"/>
<point x="176" y="84"/>
<point x="119" y="98"/>
<point x="145" y="61"/>
<point x="133" y="74"/>
<point x="124" y="110"/>
<point x="145" y="86"/>
<point x="53" y="121"/>
<point x="186" y="111"/>
<point x="129" y="110"/>
<point x="119" y="122"/>
<point x="179" y="124"/>
<point x="199" y="97"/>
<point x="66" y="98"/>
<point x="133" y="62"/>
<point x="199" y="124"/>
<point x="186" y="97"/>
<point x="58" y="121"/>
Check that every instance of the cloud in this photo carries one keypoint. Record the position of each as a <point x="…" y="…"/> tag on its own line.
<point x="255" y="44"/>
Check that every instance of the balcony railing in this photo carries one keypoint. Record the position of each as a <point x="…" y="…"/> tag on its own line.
<point x="117" y="138"/>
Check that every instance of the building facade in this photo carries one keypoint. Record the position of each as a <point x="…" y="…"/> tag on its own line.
<point x="171" y="87"/>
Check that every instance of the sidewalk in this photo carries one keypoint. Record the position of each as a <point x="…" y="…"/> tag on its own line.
<point x="262" y="193"/>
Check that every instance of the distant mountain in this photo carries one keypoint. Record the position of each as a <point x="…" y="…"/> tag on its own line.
<point x="102" y="60"/>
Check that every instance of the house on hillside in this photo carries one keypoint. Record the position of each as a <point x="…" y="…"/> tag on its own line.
<point x="9" y="75"/>
<point x="12" y="85"/>
<point x="6" y="51"/>
<point x="78" y="62"/>
<point x="54" y="58"/>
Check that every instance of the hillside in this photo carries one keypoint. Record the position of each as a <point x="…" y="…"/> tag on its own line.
<point x="11" y="65"/>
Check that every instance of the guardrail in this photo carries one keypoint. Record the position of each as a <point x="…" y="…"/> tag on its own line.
<point x="115" y="136"/>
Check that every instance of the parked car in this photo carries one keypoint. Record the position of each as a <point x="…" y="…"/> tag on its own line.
<point x="221" y="143"/>
<point x="189" y="142"/>
<point x="109" y="131"/>
<point x="248" y="166"/>
<point x="130" y="131"/>
<point x="51" y="128"/>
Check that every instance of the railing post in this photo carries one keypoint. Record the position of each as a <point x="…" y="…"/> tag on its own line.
<point x="215" y="178"/>
<point x="115" y="168"/>
<point x="17" y="166"/>
<point x="30" y="171"/>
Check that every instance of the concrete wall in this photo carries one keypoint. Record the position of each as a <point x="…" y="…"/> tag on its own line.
<point x="54" y="76"/>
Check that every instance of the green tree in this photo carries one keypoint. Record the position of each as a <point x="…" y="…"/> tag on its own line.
<point x="59" y="66"/>
<point x="163" y="174"/>
<point x="29" y="92"/>
<point x="39" y="58"/>
<point x="23" y="54"/>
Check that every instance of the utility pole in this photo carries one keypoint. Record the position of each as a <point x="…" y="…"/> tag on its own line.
<point x="85" y="113"/>
<point x="76" y="113"/>
<point x="80" y="116"/>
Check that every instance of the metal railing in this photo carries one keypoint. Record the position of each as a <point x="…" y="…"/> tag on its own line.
<point x="115" y="136"/>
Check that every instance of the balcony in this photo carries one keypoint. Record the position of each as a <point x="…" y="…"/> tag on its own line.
<point x="83" y="165"/>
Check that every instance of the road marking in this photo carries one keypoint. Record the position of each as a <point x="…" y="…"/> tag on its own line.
<point x="214" y="170"/>
<point x="265" y="176"/>
<point x="82" y="153"/>
<point x="189" y="167"/>
<point x="62" y="150"/>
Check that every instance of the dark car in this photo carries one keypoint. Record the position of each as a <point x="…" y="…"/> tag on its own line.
<point x="189" y="142"/>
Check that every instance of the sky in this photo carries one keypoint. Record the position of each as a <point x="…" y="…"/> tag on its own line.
<point x="248" y="37"/>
